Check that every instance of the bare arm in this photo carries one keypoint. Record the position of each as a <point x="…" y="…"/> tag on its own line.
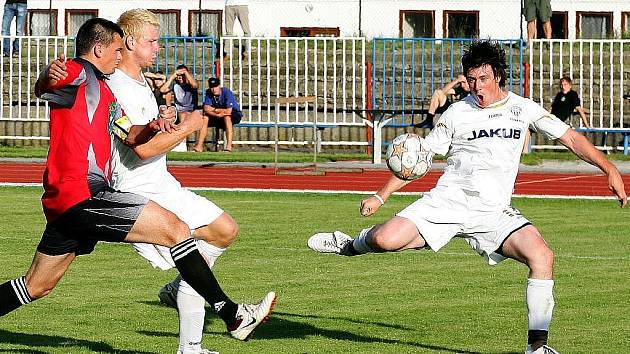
<point x="449" y="89"/>
<point x="586" y="151"/>
<point x="371" y="204"/>
<point x="191" y="80"/>
<point x="580" y="110"/>
<point x="167" y="85"/>
<point x="216" y="112"/>
<point x="165" y="142"/>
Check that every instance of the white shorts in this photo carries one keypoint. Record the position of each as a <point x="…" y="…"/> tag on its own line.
<point x="439" y="220"/>
<point x="195" y="210"/>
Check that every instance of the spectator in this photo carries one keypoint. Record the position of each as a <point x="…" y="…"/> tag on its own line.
<point x="566" y="102"/>
<point x="184" y="88"/>
<point x="156" y="81"/>
<point x="237" y="9"/>
<point x="443" y="98"/>
<point x="537" y="9"/>
<point x="220" y="110"/>
<point x="17" y="9"/>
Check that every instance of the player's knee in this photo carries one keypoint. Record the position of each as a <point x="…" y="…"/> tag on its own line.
<point x="543" y="260"/>
<point x="382" y="240"/>
<point x="178" y="231"/>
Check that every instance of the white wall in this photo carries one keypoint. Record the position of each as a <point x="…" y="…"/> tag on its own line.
<point x="498" y="18"/>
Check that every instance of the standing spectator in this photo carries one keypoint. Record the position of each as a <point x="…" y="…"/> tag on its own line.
<point x="443" y="98"/>
<point x="220" y="110"/>
<point x="537" y="9"/>
<point x="237" y="9"/>
<point x="566" y="102"/>
<point x="17" y="9"/>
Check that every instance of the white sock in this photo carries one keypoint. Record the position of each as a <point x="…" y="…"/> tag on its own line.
<point x="539" y="297"/>
<point x="191" y="317"/>
<point x="210" y="252"/>
<point x="360" y="245"/>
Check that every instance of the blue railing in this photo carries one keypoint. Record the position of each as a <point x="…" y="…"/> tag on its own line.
<point x="406" y="71"/>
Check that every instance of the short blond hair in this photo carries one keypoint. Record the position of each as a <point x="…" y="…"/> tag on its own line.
<point x="133" y="22"/>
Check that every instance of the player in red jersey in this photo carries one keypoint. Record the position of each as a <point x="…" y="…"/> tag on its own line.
<point x="80" y="207"/>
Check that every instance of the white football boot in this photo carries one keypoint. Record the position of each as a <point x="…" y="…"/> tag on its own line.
<point x="197" y="351"/>
<point x="249" y="316"/>
<point x="545" y="349"/>
<point x="329" y="242"/>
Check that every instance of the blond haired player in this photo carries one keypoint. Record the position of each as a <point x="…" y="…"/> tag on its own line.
<point x="142" y="170"/>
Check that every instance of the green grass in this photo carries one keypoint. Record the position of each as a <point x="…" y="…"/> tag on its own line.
<point x="409" y="302"/>
<point x="536" y="158"/>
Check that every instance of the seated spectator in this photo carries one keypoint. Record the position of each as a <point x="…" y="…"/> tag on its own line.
<point x="566" y="102"/>
<point x="220" y="110"/>
<point x="156" y="81"/>
<point x="443" y="98"/>
<point x="184" y="88"/>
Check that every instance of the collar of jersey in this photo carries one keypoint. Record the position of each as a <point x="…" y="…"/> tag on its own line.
<point x="99" y="74"/>
<point x="499" y="103"/>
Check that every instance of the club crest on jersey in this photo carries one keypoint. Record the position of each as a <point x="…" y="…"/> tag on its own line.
<point x="503" y="133"/>
<point x="516" y="110"/>
<point x="112" y="112"/>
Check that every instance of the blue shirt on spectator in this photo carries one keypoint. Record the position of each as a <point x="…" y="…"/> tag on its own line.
<point x="225" y="100"/>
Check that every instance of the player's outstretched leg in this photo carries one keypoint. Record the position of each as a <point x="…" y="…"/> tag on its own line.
<point x="329" y="242"/>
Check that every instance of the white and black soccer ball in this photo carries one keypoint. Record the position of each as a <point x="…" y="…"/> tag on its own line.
<point x="409" y="157"/>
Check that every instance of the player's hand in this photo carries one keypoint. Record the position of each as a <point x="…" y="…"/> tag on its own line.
<point x="615" y="184"/>
<point x="163" y="125"/>
<point x="370" y="205"/>
<point x="168" y="113"/>
<point x="57" y="70"/>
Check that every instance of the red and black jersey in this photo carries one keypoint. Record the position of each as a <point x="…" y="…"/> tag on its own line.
<point x="82" y="108"/>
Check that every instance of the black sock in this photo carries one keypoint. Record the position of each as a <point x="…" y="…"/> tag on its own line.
<point x="194" y="269"/>
<point x="13" y="294"/>
<point x="349" y="250"/>
<point x="537" y="337"/>
<point x="430" y="117"/>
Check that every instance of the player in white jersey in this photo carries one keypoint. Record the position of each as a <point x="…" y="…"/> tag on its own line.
<point x="483" y="137"/>
<point x="142" y="169"/>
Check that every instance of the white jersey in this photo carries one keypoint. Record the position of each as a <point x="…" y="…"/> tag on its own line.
<point x="484" y="147"/>
<point x="130" y="173"/>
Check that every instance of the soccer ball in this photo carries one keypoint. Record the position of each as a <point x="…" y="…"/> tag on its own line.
<point x="409" y="157"/>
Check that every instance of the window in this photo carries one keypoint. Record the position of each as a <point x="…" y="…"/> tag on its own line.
<point x="559" y="26"/>
<point x="417" y="24"/>
<point x="309" y="31"/>
<point x="41" y="23"/>
<point x="76" y="18"/>
<point x="594" y="24"/>
<point x="210" y="24"/>
<point x="169" y="22"/>
<point x="461" y="24"/>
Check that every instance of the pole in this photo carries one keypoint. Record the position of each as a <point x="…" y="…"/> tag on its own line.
<point x="199" y="20"/>
<point x="360" y="18"/>
<point x="50" y="22"/>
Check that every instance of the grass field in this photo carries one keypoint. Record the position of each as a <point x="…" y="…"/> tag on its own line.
<point x="410" y="302"/>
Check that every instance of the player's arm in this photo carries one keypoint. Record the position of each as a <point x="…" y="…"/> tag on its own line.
<point x="167" y="85"/>
<point x="163" y="143"/>
<point x="372" y="203"/>
<point x="52" y="75"/>
<point x="585" y="150"/>
<point x="135" y="134"/>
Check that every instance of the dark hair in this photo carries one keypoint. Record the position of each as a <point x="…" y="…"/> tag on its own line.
<point x="182" y="66"/>
<point x="96" y="30"/>
<point x="566" y="78"/>
<point x="481" y="53"/>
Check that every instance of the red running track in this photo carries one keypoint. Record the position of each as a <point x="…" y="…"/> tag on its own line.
<point x="527" y="183"/>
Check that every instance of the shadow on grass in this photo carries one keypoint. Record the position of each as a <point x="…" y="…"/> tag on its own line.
<point x="40" y="340"/>
<point x="280" y="326"/>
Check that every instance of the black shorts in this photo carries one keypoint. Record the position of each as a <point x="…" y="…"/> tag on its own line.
<point x="108" y="215"/>
<point x="220" y="122"/>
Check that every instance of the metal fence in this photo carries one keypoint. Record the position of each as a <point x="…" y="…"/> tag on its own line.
<point x="599" y="69"/>
<point x="259" y="70"/>
<point x="406" y="71"/>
